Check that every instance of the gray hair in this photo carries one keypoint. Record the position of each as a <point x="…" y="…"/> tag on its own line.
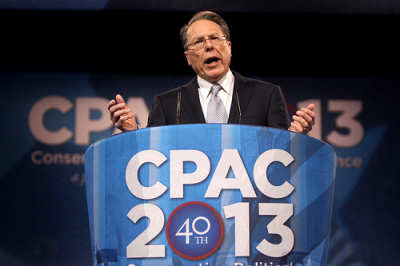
<point x="205" y="15"/>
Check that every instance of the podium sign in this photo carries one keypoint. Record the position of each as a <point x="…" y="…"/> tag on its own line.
<point x="210" y="195"/>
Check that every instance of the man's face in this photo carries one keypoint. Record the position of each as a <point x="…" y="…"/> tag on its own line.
<point x="211" y="62"/>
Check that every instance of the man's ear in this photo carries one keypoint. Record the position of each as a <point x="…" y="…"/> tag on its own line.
<point x="187" y="57"/>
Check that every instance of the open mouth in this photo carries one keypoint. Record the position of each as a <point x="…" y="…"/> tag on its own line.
<point x="211" y="61"/>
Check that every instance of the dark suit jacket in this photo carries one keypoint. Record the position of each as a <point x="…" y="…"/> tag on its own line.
<point x="261" y="104"/>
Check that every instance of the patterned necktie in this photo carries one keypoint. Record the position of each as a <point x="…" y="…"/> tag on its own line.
<point x="216" y="112"/>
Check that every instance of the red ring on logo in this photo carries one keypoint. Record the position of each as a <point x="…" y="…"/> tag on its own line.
<point x="220" y="237"/>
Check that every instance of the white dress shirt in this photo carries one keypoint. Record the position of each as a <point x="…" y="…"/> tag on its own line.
<point x="225" y="94"/>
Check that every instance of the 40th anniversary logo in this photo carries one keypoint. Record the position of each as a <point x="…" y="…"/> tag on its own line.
<point x="195" y="230"/>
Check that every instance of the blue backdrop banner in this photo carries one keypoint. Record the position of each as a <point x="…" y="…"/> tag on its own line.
<point x="50" y="119"/>
<point x="210" y="195"/>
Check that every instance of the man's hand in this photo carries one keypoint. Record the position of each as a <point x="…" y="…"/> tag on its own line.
<point x="303" y="120"/>
<point x="121" y="116"/>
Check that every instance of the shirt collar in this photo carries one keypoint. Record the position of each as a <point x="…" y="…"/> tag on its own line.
<point x="225" y="82"/>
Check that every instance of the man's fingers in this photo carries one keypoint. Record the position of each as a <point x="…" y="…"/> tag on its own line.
<point x="117" y="107"/>
<point x="110" y="104"/>
<point x="296" y="126"/>
<point x="109" y="107"/>
<point x="311" y="106"/>
<point x="119" y="98"/>
<point x="299" y="119"/>
<point x="121" y="114"/>
<point x="309" y="111"/>
<point x="114" y="108"/>
<point x="123" y="118"/>
<point x="303" y="120"/>
<point x="307" y="115"/>
<point x="299" y="128"/>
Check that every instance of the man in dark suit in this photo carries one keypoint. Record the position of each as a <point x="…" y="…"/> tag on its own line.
<point x="206" y="40"/>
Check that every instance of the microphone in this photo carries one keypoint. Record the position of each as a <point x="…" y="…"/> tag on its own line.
<point x="240" y="111"/>
<point x="178" y="107"/>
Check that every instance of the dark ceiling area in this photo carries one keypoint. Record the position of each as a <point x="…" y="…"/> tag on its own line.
<point x="126" y="41"/>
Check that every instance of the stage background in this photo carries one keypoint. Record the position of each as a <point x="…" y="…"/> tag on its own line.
<point x="63" y="60"/>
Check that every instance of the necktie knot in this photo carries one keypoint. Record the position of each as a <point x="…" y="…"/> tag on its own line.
<point x="215" y="89"/>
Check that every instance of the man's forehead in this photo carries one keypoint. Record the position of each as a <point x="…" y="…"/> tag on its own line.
<point x="203" y="28"/>
<point x="206" y="34"/>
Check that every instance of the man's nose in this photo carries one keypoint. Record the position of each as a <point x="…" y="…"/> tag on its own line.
<point x="208" y="45"/>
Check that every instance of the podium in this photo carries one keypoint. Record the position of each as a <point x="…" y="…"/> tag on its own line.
<point x="210" y="194"/>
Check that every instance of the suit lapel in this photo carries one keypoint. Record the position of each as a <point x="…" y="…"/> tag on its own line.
<point x="242" y="91"/>
<point x="191" y="102"/>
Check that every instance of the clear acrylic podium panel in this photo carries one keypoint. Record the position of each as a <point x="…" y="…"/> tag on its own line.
<point x="210" y="195"/>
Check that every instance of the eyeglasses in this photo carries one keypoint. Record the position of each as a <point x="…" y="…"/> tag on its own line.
<point x="197" y="45"/>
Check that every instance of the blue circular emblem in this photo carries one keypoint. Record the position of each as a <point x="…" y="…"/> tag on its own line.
<point x="194" y="230"/>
